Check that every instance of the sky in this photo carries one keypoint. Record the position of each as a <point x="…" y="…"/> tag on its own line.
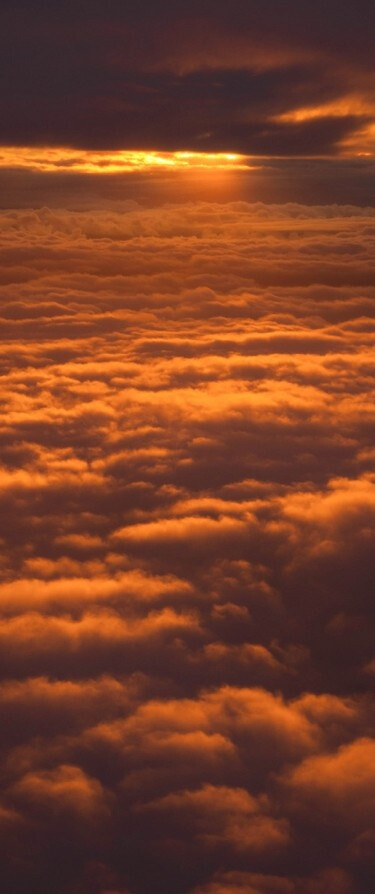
<point x="187" y="462"/>
<point x="270" y="78"/>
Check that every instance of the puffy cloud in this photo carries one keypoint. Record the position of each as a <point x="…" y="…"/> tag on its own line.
<point x="64" y="789"/>
<point x="342" y="784"/>
<point x="32" y="640"/>
<point x="222" y="817"/>
<point x="187" y="506"/>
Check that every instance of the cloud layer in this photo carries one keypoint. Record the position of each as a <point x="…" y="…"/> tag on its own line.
<point x="187" y="515"/>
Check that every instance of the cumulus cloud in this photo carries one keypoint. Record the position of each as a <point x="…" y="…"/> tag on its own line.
<point x="187" y="512"/>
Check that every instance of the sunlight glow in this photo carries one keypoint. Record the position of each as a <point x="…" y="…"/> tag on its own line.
<point x="114" y="162"/>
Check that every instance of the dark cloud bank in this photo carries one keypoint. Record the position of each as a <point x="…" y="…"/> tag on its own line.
<point x="187" y="516"/>
<point x="204" y="76"/>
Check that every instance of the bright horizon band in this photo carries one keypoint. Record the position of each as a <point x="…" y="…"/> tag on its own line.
<point x="87" y="161"/>
<point x="57" y="159"/>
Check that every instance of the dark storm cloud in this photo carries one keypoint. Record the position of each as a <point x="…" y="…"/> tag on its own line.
<point x="199" y="76"/>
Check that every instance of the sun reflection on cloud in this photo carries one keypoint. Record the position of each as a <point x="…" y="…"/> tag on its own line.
<point x="52" y="159"/>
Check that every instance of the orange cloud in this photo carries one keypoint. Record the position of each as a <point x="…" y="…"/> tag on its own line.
<point x="341" y="784"/>
<point x="224" y="817"/>
<point x="187" y="506"/>
<point x="67" y="789"/>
